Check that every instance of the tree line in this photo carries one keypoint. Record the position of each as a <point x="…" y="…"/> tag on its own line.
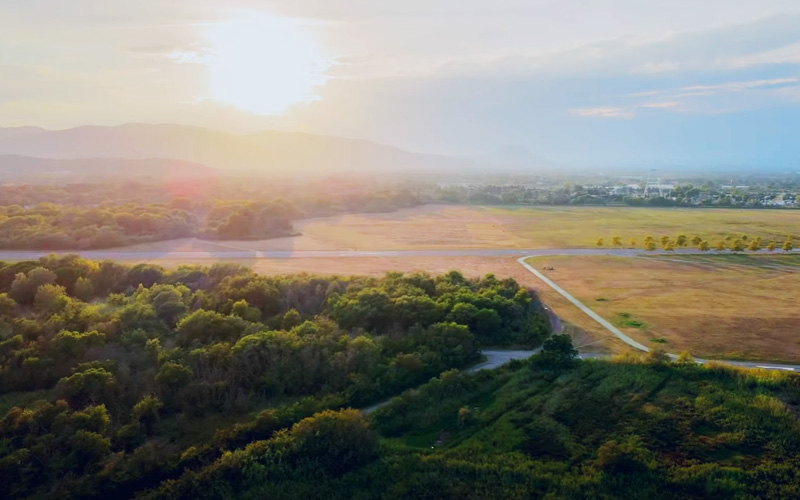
<point x="733" y="243"/>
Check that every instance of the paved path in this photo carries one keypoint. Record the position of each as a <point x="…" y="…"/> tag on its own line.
<point x="229" y="252"/>
<point x="233" y="252"/>
<point x="626" y="339"/>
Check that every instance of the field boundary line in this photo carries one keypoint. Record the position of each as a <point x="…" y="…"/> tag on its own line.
<point x="613" y="329"/>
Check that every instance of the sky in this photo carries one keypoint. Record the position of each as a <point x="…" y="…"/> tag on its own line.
<point x="585" y="83"/>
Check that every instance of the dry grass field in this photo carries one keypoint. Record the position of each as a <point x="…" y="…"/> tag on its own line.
<point x="462" y="227"/>
<point x="728" y="306"/>
<point x="535" y="227"/>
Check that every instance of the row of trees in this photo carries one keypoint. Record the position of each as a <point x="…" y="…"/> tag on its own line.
<point x="130" y="363"/>
<point x="735" y="244"/>
<point x="98" y="216"/>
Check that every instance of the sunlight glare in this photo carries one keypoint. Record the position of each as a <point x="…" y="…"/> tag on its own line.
<point x="264" y="64"/>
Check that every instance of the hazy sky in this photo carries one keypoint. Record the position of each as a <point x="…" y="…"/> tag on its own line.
<point x="592" y="82"/>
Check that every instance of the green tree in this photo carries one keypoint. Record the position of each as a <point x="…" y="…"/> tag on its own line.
<point x="737" y="246"/>
<point x="70" y="344"/>
<point x="206" y="326"/>
<point x="87" y="449"/>
<point x="487" y="324"/>
<point x="173" y="376"/>
<point x="291" y="319"/>
<point x="599" y="242"/>
<point x="787" y="246"/>
<point x="754" y="246"/>
<point x="650" y="246"/>
<point x="92" y="385"/>
<point x="558" y="351"/>
<point x="696" y="240"/>
<point x="669" y="246"/>
<point x="720" y="245"/>
<point x="146" y="412"/>
<point x="685" y="358"/>
<point x="243" y="310"/>
<point x="169" y="304"/>
<point x="84" y="289"/>
<point x="463" y="313"/>
<point x="410" y="310"/>
<point x="632" y="242"/>
<point x="681" y="240"/>
<point x="616" y="241"/>
<point x="657" y="356"/>
<point x="146" y="275"/>
<point x="24" y="288"/>
<point x="335" y="441"/>
<point x="8" y="306"/>
<point x="50" y="299"/>
<point x="664" y="240"/>
<point x="703" y="246"/>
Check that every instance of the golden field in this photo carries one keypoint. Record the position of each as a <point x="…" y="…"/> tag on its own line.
<point x="728" y="306"/>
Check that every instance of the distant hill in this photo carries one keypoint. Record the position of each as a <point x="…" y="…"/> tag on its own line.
<point x="18" y="168"/>
<point x="273" y="152"/>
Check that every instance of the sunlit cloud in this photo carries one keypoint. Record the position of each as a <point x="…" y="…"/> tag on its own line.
<point x="603" y="112"/>
<point x="659" y="105"/>
<point x="740" y="86"/>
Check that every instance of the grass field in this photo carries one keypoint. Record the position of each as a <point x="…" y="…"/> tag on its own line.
<point x="461" y="227"/>
<point x="727" y="306"/>
<point x="537" y="227"/>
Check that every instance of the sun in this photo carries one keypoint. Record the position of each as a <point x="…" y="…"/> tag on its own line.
<point x="264" y="64"/>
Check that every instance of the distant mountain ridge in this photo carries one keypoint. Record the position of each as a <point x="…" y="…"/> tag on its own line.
<point x="15" y="168"/>
<point x="264" y="152"/>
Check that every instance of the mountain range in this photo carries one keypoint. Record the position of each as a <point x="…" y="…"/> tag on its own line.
<point x="187" y="147"/>
<point x="16" y="168"/>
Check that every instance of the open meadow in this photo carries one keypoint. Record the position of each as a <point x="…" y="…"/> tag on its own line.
<point x="444" y="226"/>
<point x="716" y="306"/>
<point x="438" y="227"/>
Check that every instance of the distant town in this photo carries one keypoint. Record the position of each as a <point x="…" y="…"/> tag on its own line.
<point x="635" y="191"/>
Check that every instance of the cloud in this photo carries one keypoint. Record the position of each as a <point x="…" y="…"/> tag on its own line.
<point x="603" y="112"/>
<point x="741" y="86"/>
<point x="659" y="105"/>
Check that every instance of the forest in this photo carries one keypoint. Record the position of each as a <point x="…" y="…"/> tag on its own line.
<point x="106" y="215"/>
<point x="115" y="378"/>
<point x="548" y="427"/>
